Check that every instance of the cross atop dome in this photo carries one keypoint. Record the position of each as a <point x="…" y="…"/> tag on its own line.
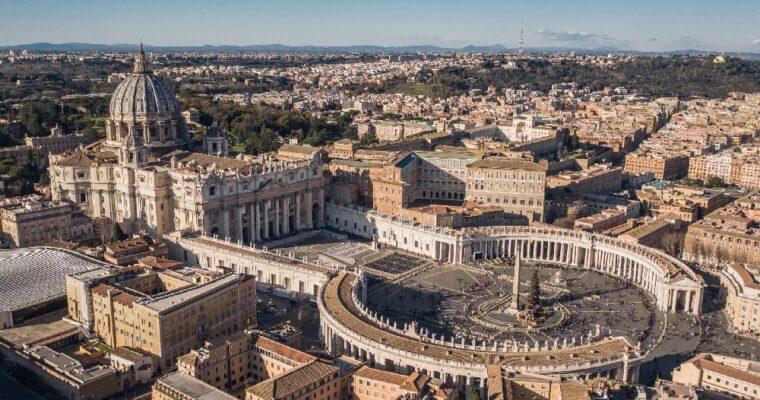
<point x="141" y="61"/>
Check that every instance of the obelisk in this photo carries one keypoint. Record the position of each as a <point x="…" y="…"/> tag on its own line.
<point x="516" y="281"/>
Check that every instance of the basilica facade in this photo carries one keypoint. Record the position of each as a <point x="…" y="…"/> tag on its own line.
<point x="144" y="177"/>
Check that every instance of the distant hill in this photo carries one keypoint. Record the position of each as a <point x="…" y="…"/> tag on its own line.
<point x="264" y="48"/>
<point x="282" y="48"/>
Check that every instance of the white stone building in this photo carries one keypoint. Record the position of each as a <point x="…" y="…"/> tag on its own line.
<point x="142" y="178"/>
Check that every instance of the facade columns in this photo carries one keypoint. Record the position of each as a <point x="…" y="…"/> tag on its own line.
<point x="254" y="222"/>
<point x="309" y="207"/>
<point x="225" y="224"/>
<point x="298" y="211"/>
<point x="277" y="217"/>
<point x="267" y="207"/>
<point x="321" y="213"/>
<point x="285" y="215"/>
<point x="206" y="223"/>
<point x="239" y="223"/>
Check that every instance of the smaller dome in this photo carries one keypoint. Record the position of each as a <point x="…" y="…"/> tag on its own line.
<point x="215" y="131"/>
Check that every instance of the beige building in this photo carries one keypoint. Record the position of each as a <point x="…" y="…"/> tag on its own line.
<point x="228" y="363"/>
<point x="177" y="386"/>
<point x="652" y="233"/>
<point x="162" y="313"/>
<point x="730" y="234"/>
<point x="314" y="380"/>
<point x="697" y="168"/>
<point x="603" y="179"/>
<point x="129" y="251"/>
<point x="721" y="376"/>
<point x="55" y="143"/>
<point x="603" y="221"/>
<point x="35" y="222"/>
<point x="662" y="166"/>
<point x="36" y="149"/>
<point x="390" y="131"/>
<point x="343" y="149"/>
<point x="741" y="283"/>
<point x="515" y="186"/>
<point x="750" y="175"/>
<point x="526" y="386"/>
<point x="376" y="384"/>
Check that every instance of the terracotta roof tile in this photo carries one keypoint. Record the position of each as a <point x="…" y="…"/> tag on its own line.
<point x="284" y="385"/>
<point x="380" y="375"/>
<point x="283" y="350"/>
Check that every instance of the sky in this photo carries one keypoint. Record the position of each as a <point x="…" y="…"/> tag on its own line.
<point x="649" y="25"/>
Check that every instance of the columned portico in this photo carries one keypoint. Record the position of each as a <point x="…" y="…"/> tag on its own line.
<point x="648" y="268"/>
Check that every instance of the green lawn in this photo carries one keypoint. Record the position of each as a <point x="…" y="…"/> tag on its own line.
<point x="102" y="347"/>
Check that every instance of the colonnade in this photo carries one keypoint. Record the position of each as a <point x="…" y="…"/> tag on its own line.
<point x="268" y="218"/>
<point x="463" y="366"/>
<point x="651" y="272"/>
<point x="675" y="287"/>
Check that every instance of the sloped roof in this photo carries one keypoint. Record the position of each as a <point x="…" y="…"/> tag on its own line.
<point x="283" y="350"/>
<point x="507" y="164"/>
<point x="284" y="385"/>
<point x="78" y="159"/>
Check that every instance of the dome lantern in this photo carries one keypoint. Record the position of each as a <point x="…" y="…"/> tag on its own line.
<point x="141" y="62"/>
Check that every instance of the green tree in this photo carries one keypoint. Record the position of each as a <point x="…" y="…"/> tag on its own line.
<point x="266" y="140"/>
<point x="473" y="395"/>
<point x="534" y="291"/>
<point x="368" y="138"/>
<point x="37" y="115"/>
<point x="714" y="181"/>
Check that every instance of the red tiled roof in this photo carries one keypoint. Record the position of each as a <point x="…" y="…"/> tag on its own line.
<point x="380" y="375"/>
<point x="283" y="350"/>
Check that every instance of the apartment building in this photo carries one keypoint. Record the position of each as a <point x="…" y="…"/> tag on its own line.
<point x="730" y="234"/>
<point x="177" y="386"/>
<point x="596" y="179"/>
<point x="721" y="376"/>
<point x="662" y="165"/>
<point x="741" y="284"/>
<point x="314" y="380"/>
<point x="228" y="363"/>
<point x="164" y="313"/>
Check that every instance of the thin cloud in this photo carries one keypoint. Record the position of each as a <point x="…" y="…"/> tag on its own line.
<point x="581" y="37"/>
<point x="573" y="36"/>
<point x="756" y="42"/>
<point x="688" y="41"/>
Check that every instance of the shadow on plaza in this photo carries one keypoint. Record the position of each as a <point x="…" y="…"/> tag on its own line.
<point x="404" y="304"/>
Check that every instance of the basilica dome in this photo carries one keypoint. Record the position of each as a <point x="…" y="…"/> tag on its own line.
<point x="142" y="94"/>
<point x="144" y="105"/>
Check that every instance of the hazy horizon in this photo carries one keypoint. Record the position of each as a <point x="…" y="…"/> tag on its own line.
<point x="646" y="25"/>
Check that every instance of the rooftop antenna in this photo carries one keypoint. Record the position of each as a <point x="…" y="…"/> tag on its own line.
<point x="522" y="37"/>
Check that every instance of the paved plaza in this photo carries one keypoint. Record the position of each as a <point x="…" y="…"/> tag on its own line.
<point x="443" y="299"/>
<point x="446" y="299"/>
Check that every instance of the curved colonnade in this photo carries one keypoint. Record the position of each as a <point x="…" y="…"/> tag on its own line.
<point x="673" y="285"/>
<point x="347" y="326"/>
<point x="345" y="330"/>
